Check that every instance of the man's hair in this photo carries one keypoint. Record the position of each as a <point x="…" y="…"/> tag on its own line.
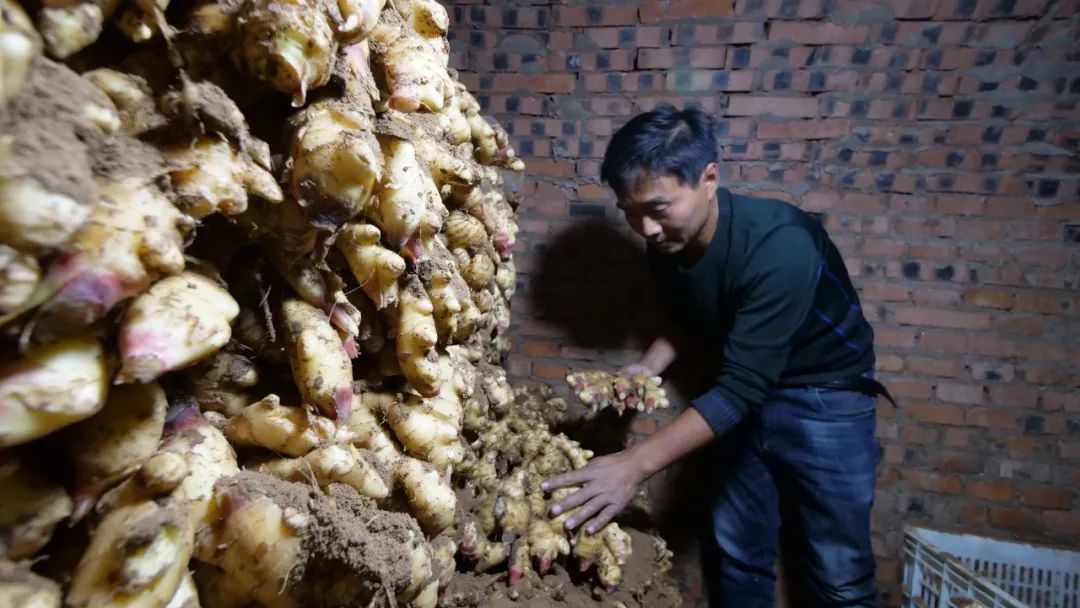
<point x="665" y="141"/>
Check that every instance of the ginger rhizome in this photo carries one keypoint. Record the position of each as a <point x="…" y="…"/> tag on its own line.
<point x="601" y="389"/>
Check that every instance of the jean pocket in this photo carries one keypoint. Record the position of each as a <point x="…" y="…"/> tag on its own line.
<point x="845" y="404"/>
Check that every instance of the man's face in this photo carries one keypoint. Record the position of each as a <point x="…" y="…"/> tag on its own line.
<point x="669" y="214"/>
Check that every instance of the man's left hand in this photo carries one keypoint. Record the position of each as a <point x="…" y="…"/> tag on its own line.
<point x="608" y="484"/>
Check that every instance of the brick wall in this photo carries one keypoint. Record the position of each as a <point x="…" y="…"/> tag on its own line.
<point x="938" y="139"/>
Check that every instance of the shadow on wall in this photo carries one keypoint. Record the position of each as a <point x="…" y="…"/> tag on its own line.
<point x="593" y="284"/>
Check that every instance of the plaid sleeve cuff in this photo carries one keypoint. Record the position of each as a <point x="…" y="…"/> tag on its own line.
<point x="720" y="413"/>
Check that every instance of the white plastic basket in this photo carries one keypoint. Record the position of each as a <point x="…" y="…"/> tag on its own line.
<point x="944" y="570"/>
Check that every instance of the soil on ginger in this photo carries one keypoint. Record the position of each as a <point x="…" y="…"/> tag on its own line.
<point x="560" y="588"/>
<point x="351" y="552"/>
<point x="58" y="144"/>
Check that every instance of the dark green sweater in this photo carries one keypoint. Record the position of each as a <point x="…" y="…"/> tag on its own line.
<point x="772" y="291"/>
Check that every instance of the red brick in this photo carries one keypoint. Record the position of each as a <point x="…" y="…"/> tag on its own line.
<point x="956" y="438"/>
<point x="939" y="342"/>
<point x="917" y="389"/>
<point x="560" y="41"/>
<point x="548" y="370"/>
<point x="652" y="59"/>
<point x="555" y="168"/>
<point x="990" y="298"/>
<point x="973" y="515"/>
<point x="650" y="36"/>
<point x="1022" y="446"/>
<point x="826" y="128"/>
<point x="992" y="346"/>
<point x="1035" y="302"/>
<point x="994" y="419"/>
<point x="713" y="58"/>
<point x="593" y="192"/>
<point x="577" y="16"/>
<point x="1016" y="324"/>
<point x="530" y="348"/>
<point x="1062" y="522"/>
<point x="936" y="413"/>
<point x="610" y="106"/>
<point x="1068" y="402"/>
<point x="959" y="205"/>
<point x="1046" y="497"/>
<point x="934" y="482"/>
<point x="575" y="352"/>
<point x="994" y="491"/>
<point x="934" y="367"/>
<point x="937" y="296"/>
<point x="942" y="318"/>
<point x="960" y="393"/>
<point x="544" y="83"/>
<point x="703" y="80"/>
<point x="657" y="10"/>
<point x="817" y="33"/>
<point x="1016" y="519"/>
<point x="1014" y="396"/>
<point x="519" y="367"/>
<point x="604" y="37"/>
<point x="889" y="363"/>
<point x="883" y="292"/>
<point x="753" y="105"/>
<point x="894" y="337"/>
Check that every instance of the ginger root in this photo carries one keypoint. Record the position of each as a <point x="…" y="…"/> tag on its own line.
<point x="20" y="44"/>
<point x="417" y="336"/>
<point x="51" y="387"/>
<point x="181" y="320"/>
<point x="600" y="389"/>
<point x="112" y="444"/>
<point x="137" y="557"/>
<point x="209" y="176"/>
<point x="376" y="268"/>
<point x="32" y="507"/>
<point x="320" y="364"/>
<point x="293" y="431"/>
<point x="22" y="588"/>
<point x="335" y="163"/>
<point x="69" y="28"/>
<point x="342" y="464"/>
<point x="133" y="237"/>
<point x="410" y="55"/>
<point x="403" y="195"/>
<point x="224" y="382"/>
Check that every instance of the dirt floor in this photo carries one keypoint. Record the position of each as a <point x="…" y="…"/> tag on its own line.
<point x="640" y="587"/>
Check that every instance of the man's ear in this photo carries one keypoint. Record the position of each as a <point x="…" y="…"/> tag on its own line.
<point x="710" y="176"/>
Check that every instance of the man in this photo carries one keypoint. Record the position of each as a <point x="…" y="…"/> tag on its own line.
<point x="791" y="414"/>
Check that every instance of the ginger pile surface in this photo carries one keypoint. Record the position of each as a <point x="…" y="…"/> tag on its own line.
<point x="255" y="274"/>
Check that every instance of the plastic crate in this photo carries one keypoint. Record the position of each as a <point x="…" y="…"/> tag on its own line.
<point x="945" y="570"/>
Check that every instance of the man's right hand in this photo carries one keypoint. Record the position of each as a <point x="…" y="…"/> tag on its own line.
<point x="637" y="369"/>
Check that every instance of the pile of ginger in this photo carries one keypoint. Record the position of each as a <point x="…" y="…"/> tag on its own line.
<point x="256" y="259"/>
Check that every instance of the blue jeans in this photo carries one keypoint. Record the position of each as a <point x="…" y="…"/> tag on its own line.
<point x="807" y="461"/>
